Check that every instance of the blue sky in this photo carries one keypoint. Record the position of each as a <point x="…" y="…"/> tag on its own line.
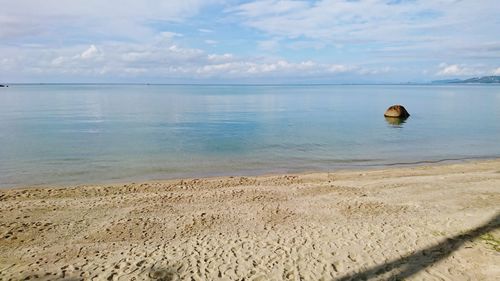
<point x="266" y="41"/>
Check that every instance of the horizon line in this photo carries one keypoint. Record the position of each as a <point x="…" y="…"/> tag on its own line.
<point x="219" y="84"/>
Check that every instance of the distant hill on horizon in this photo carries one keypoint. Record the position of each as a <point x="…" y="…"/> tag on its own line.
<point x="482" y="80"/>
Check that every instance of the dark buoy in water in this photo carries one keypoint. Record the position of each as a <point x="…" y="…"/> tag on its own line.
<point x="396" y="115"/>
<point x="397" y="111"/>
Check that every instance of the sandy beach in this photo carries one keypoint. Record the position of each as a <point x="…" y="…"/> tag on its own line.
<point x="436" y="222"/>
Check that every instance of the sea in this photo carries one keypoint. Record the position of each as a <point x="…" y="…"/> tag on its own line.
<point x="76" y="134"/>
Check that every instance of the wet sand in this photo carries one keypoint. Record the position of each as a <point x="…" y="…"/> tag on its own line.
<point x="436" y="222"/>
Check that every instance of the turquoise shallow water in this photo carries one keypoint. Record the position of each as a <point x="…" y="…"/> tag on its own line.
<point x="75" y="134"/>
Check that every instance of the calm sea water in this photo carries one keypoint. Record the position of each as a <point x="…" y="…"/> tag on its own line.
<point x="75" y="134"/>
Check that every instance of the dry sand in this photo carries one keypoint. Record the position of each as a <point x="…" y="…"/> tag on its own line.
<point x="437" y="222"/>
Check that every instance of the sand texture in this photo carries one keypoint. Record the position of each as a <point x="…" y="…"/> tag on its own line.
<point x="437" y="222"/>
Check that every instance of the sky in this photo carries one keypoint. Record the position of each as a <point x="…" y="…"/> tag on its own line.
<point x="260" y="41"/>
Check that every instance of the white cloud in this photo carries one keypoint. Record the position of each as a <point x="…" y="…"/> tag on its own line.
<point x="409" y="27"/>
<point x="83" y="18"/>
<point x="215" y="58"/>
<point x="168" y="35"/>
<point x="112" y="9"/>
<point x="321" y="38"/>
<point x="461" y="70"/>
<point x="453" y="70"/>
<point x="211" y="42"/>
<point x="339" y="68"/>
<point x="58" y="61"/>
<point x="268" y="8"/>
<point x="280" y="68"/>
<point x="205" y="30"/>
<point x="363" y="19"/>
<point x="89" y="55"/>
<point x="157" y="59"/>
<point x="90" y="52"/>
<point x="269" y="45"/>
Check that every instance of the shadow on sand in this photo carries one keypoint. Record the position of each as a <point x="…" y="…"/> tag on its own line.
<point x="409" y="265"/>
